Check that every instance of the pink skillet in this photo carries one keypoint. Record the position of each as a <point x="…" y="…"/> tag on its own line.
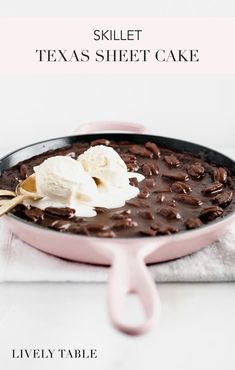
<point x="127" y="257"/>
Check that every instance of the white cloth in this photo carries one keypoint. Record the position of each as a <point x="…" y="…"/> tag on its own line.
<point x="20" y="262"/>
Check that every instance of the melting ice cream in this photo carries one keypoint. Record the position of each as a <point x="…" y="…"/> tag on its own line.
<point x="98" y="178"/>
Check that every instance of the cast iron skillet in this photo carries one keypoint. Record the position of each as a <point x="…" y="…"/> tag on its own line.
<point x="127" y="257"/>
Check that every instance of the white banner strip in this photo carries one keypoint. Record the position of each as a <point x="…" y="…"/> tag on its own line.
<point x="116" y="45"/>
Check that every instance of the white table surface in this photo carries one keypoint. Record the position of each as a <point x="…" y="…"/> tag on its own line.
<point x="195" y="331"/>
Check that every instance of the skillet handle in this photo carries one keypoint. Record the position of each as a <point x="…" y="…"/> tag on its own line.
<point x="129" y="274"/>
<point x="92" y="127"/>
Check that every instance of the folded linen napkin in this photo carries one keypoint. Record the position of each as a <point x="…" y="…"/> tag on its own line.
<point x="19" y="262"/>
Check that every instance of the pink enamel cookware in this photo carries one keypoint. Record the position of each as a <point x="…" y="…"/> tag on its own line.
<point x="127" y="257"/>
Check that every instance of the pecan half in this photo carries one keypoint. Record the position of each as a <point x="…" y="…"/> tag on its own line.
<point x="125" y="223"/>
<point x="150" y="183"/>
<point x="144" y="192"/>
<point x="169" y="212"/>
<point x="188" y="199"/>
<point x="196" y="170"/>
<point x="120" y="215"/>
<point x="60" y="225"/>
<point x="127" y="157"/>
<point x="163" y="229"/>
<point x="172" y="160"/>
<point x="220" y="174"/>
<point x="210" y="213"/>
<point x="171" y="202"/>
<point x="141" y="151"/>
<point x="146" y="170"/>
<point x="64" y="212"/>
<point x="223" y="199"/>
<point x="79" y="229"/>
<point x="162" y="190"/>
<point x="154" y="168"/>
<point x="214" y="188"/>
<point x="132" y="166"/>
<point x="154" y="148"/>
<point x="177" y="176"/>
<point x="134" y="182"/>
<point x="150" y="169"/>
<point x="160" y="198"/>
<point x="100" y="210"/>
<point x="148" y="231"/>
<point x="193" y="223"/>
<point x="181" y="187"/>
<point x="138" y="203"/>
<point x="34" y="214"/>
<point x="147" y="215"/>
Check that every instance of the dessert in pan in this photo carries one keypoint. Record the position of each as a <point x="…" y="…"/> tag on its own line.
<point x="119" y="199"/>
<point x="108" y="188"/>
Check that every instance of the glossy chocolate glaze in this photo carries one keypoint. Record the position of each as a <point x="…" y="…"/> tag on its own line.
<point x="181" y="191"/>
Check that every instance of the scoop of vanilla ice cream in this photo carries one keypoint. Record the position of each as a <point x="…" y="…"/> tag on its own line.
<point x="63" y="177"/>
<point x="62" y="182"/>
<point x="105" y="164"/>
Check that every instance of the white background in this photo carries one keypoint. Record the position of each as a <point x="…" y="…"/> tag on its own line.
<point x="197" y="322"/>
<point x="197" y="108"/>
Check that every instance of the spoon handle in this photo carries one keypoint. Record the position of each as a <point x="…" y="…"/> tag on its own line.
<point x="11" y="204"/>
<point x="3" y="201"/>
<point x="8" y="193"/>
